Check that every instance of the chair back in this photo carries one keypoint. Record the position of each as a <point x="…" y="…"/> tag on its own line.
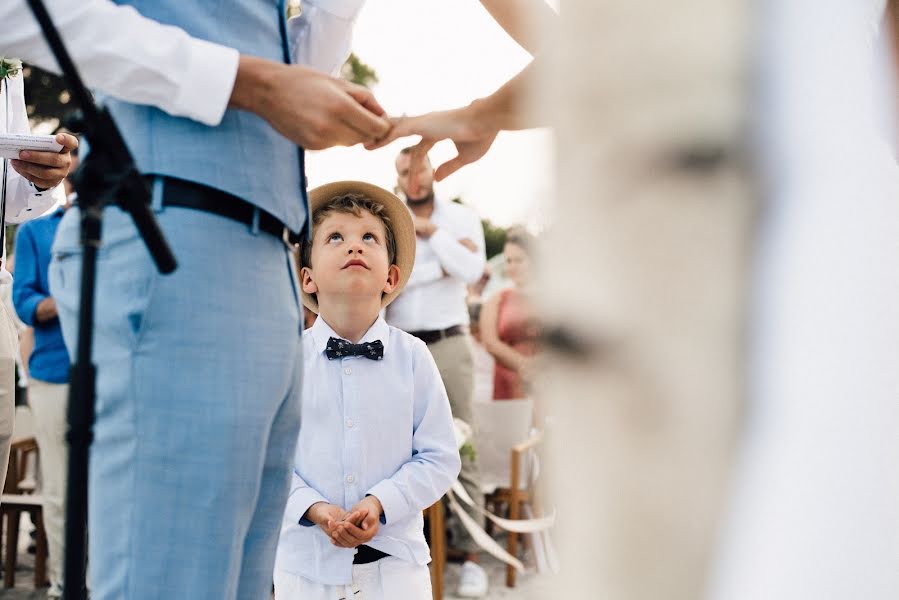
<point x="499" y="426"/>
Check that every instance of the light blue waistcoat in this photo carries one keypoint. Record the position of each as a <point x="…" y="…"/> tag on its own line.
<point x="243" y="155"/>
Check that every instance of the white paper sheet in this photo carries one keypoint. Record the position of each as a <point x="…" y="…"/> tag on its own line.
<point x="12" y="143"/>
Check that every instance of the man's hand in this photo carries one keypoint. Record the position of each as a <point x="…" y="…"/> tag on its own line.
<point x="47" y="169"/>
<point x="308" y="107"/>
<point x="469" y="131"/>
<point x="361" y="524"/>
<point x="46" y="310"/>
<point x="424" y="228"/>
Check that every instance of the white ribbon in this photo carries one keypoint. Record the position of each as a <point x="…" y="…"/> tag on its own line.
<point x="482" y="538"/>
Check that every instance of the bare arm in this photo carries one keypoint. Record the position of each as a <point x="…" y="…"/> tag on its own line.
<point x="471" y="128"/>
<point x="504" y="354"/>
<point x="524" y="20"/>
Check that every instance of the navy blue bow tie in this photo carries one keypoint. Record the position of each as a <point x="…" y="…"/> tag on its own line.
<point x="339" y="348"/>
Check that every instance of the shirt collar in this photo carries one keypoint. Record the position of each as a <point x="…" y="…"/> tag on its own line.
<point x="321" y="332"/>
<point x="438" y="204"/>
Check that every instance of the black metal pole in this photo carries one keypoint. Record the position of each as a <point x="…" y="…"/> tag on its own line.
<point x="81" y="412"/>
<point x="107" y="175"/>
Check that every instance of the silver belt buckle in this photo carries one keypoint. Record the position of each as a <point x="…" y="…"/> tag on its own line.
<point x="285" y="237"/>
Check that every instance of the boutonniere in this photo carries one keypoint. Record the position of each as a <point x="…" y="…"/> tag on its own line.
<point x="9" y="67"/>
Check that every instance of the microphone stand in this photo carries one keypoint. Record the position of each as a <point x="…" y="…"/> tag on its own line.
<point x="107" y="175"/>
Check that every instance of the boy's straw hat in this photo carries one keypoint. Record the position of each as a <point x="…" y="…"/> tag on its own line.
<point x="400" y="224"/>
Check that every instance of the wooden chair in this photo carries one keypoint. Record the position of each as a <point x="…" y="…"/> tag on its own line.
<point x="504" y="446"/>
<point x="437" y="535"/>
<point x="17" y="481"/>
<point x="11" y="508"/>
<point x="17" y="498"/>
<point x="514" y="497"/>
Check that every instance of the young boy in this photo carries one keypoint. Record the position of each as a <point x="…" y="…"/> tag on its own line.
<point x="376" y="442"/>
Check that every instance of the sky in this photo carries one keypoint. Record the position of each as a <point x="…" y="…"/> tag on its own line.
<point x="434" y="55"/>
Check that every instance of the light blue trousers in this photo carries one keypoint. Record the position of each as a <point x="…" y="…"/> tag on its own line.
<point x="197" y="410"/>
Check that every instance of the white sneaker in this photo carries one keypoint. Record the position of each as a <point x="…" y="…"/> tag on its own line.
<point x="472" y="581"/>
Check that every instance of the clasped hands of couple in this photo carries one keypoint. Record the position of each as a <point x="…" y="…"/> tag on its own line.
<point x="317" y="111"/>
<point x="347" y="529"/>
<point x="331" y="112"/>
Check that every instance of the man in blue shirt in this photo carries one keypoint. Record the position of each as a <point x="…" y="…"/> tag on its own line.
<point x="48" y="368"/>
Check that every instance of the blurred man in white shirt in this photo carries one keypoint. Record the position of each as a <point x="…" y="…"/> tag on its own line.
<point x="449" y="256"/>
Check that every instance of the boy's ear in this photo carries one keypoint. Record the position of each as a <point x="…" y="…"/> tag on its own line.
<point x="393" y="279"/>
<point x="309" y="285"/>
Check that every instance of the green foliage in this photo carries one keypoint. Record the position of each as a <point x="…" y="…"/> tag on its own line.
<point x="10" y="240"/>
<point x="358" y="72"/>
<point x="494" y="238"/>
<point x="468" y="451"/>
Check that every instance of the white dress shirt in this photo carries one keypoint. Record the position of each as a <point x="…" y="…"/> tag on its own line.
<point x="368" y="427"/>
<point x="23" y="200"/>
<point x="434" y="297"/>
<point x="139" y="60"/>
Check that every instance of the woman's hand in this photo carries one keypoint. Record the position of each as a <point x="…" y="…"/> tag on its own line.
<point x="469" y="131"/>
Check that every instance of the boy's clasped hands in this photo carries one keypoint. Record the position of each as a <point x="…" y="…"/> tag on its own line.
<point x="347" y="529"/>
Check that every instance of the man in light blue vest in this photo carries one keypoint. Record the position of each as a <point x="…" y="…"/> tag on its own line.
<point x="199" y="371"/>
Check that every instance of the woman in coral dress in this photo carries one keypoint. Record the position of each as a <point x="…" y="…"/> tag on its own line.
<point x="509" y="327"/>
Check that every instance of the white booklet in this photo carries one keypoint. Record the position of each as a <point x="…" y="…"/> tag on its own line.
<point x="12" y="143"/>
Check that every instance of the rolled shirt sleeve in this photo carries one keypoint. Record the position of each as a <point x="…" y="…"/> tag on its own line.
<point x="128" y="56"/>
<point x="321" y="36"/>
<point x="456" y="259"/>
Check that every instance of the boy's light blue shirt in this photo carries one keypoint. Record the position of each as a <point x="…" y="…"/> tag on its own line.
<point x="367" y="427"/>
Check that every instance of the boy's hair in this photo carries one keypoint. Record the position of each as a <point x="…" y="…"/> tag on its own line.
<point x="353" y="204"/>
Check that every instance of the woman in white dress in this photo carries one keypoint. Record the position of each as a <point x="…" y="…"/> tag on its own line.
<point x="29" y="193"/>
<point x="816" y="503"/>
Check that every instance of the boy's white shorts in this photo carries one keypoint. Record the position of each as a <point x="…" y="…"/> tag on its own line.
<point x="387" y="579"/>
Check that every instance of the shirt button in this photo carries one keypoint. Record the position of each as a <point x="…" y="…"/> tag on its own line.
<point x="349" y="423"/>
<point x="348" y="371"/>
<point x="350" y="479"/>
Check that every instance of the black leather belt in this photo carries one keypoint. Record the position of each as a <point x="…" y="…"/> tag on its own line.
<point x="367" y="554"/>
<point x="196" y="196"/>
<point x="429" y="337"/>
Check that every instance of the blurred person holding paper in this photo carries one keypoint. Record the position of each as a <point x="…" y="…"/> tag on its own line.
<point x="31" y="175"/>
<point x="25" y="192"/>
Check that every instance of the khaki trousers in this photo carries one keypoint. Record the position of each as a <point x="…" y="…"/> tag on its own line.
<point x="48" y="403"/>
<point x="455" y="361"/>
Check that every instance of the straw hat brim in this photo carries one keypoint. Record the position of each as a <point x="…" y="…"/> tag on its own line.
<point x="400" y="223"/>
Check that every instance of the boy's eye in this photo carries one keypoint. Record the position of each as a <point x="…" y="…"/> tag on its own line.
<point x="369" y="237"/>
<point x="335" y="237"/>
